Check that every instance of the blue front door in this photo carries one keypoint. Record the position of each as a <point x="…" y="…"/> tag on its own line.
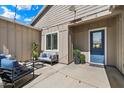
<point x="97" y="46"/>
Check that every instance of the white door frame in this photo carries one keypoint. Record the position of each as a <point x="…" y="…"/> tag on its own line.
<point x="105" y="39"/>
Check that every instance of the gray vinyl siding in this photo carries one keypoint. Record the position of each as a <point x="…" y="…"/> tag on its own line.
<point x="59" y="14"/>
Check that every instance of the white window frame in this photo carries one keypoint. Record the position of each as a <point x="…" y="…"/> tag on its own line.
<point x="56" y="50"/>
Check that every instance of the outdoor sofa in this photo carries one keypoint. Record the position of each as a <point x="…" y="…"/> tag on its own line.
<point x="11" y="71"/>
<point x="48" y="57"/>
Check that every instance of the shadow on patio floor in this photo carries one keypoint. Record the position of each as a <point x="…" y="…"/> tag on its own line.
<point x="115" y="78"/>
<point x="22" y="82"/>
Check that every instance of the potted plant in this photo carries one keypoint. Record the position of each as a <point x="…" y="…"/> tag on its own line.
<point x="76" y="54"/>
<point x="78" y="57"/>
<point x="35" y="53"/>
<point x="82" y="58"/>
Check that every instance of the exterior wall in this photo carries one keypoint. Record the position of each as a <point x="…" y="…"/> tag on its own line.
<point x="63" y="41"/>
<point x="70" y="45"/>
<point x="59" y="14"/>
<point x="81" y="37"/>
<point x="57" y="19"/>
<point x="120" y="42"/>
<point x="16" y="39"/>
<point x="122" y="65"/>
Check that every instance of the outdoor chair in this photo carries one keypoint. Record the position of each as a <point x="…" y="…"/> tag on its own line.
<point x="48" y="57"/>
<point x="11" y="71"/>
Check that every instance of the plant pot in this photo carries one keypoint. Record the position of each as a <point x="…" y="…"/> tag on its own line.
<point x="77" y="60"/>
<point x="83" y="62"/>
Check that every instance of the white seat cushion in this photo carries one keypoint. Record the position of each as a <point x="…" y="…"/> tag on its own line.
<point x="45" y="59"/>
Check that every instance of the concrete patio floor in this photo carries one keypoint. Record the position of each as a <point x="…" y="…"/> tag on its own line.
<point x="115" y="78"/>
<point x="70" y="76"/>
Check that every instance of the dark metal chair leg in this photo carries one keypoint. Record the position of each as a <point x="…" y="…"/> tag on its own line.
<point x="4" y="84"/>
<point x="33" y="68"/>
<point x="13" y="84"/>
<point x="51" y="63"/>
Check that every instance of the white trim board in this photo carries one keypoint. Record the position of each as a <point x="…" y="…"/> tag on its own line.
<point x="105" y="38"/>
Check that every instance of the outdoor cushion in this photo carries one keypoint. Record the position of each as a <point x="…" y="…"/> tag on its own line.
<point x="1" y="57"/>
<point x="8" y="56"/>
<point x="2" y="54"/>
<point x="45" y="59"/>
<point x="44" y="55"/>
<point x="9" y="64"/>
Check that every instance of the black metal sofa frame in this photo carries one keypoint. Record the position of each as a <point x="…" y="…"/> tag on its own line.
<point x="11" y="75"/>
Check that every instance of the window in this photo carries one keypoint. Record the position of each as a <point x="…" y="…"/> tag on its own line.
<point x="51" y="41"/>
<point x="54" y="39"/>
<point x="48" y="42"/>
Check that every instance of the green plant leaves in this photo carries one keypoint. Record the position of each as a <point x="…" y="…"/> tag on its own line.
<point x="35" y="52"/>
<point x="77" y="54"/>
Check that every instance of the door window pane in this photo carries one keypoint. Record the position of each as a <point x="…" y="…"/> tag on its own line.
<point x="97" y="40"/>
